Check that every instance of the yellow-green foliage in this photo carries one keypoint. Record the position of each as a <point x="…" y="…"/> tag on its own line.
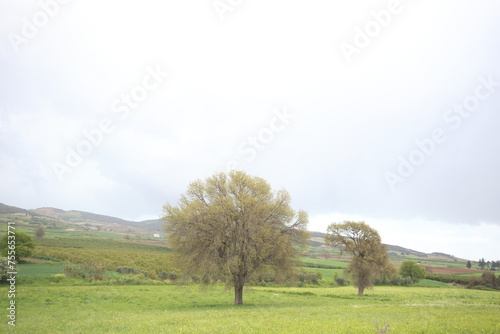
<point x="369" y="255"/>
<point x="108" y="253"/>
<point x="413" y="270"/>
<point x="153" y="263"/>
<point x="233" y="225"/>
<point x="57" y="278"/>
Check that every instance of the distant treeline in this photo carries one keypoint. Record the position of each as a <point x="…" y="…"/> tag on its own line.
<point x="487" y="280"/>
<point x="322" y="266"/>
<point x="491" y="265"/>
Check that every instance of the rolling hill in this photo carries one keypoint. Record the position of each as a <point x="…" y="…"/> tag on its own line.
<point x="74" y="219"/>
<point x="81" y="220"/>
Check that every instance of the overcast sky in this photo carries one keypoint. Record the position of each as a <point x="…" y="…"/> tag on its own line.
<point x="381" y="111"/>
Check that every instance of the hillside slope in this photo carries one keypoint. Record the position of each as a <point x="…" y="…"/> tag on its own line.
<point x="91" y="221"/>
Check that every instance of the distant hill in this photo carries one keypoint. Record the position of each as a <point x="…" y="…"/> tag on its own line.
<point x="152" y="224"/>
<point x="82" y="220"/>
<point x="102" y="222"/>
<point x="102" y="218"/>
<point x="7" y="209"/>
<point x="317" y="240"/>
<point x="79" y="220"/>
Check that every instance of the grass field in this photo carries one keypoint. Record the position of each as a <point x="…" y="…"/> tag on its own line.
<point x="328" y="274"/>
<point x="191" y="309"/>
<point x="342" y="264"/>
<point x="34" y="270"/>
<point x="123" y="304"/>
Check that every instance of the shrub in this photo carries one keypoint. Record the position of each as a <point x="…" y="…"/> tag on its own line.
<point x="312" y="278"/>
<point x="448" y="278"/>
<point x="86" y="271"/>
<point x="172" y="276"/>
<point x="384" y="280"/>
<point x="302" y="277"/>
<point x="4" y="269"/>
<point x="341" y="281"/>
<point x="407" y="281"/>
<point x="162" y="276"/>
<point x="486" y="281"/>
<point x="401" y="281"/>
<point x="132" y="271"/>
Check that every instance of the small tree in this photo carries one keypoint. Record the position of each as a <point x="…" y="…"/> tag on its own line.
<point x="231" y="226"/>
<point x="469" y="264"/>
<point x="412" y="270"/>
<point x="494" y="265"/>
<point x="40" y="232"/>
<point x="369" y="255"/>
<point x="21" y="244"/>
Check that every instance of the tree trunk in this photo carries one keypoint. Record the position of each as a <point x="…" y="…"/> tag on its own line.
<point x="238" y="293"/>
<point x="360" y="291"/>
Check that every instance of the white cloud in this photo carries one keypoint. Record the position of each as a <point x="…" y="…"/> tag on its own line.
<point x="353" y="120"/>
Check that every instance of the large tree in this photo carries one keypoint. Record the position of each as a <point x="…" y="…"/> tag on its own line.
<point x="369" y="255"/>
<point x="231" y="225"/>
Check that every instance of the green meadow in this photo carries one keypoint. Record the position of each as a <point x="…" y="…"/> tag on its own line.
<point x="165" y="308"/>
<point x="49" y="302"/>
